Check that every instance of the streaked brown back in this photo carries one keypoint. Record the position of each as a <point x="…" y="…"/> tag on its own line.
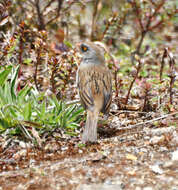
<point x="95" y="87"/>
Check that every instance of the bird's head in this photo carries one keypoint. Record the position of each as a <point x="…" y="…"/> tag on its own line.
<point x="91" y="52"/>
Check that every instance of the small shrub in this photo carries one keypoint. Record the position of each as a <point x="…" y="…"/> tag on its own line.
<point x="26" y="108"/>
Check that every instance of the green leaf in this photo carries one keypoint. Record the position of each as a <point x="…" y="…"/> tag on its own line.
<point x="4" y="74"/>
<point x="3" y="125"/>
<point x="68" y="44"/>
<point x="22" y="94"/>
<point x="27" y="112"/>
<point x="144" y="73"/>
<point x="13" y="82"/>
<point x="70" y="110"/>
<point x="59" y="105"/>
<point x="80" y="145"/>
<point x="12" y="109"/>
<point x="27" y="61"/>
<point x="75" y="115"/>
<point x="73" y="126"/>
<point x="2" y="97"/>
<point x="7" y="94"/>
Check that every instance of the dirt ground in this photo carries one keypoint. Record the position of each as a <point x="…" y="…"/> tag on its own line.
<point x="142" y="158"/>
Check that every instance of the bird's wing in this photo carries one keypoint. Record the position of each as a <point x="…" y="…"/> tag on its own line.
<point x="107" y="91"/>
<point x="95" y="87"/>
<point x="84" y="84"/>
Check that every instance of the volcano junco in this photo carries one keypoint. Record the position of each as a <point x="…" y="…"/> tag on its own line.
<point x="94" y="82"/>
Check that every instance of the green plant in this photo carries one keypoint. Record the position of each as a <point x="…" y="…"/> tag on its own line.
<point x="21" y="110"/>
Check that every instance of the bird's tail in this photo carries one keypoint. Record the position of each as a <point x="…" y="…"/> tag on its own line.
<point x="90" y="130"/>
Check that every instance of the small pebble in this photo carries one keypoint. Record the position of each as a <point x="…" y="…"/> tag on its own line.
<point x="148" y="188"/>
<point x="157" y="139"/>
<point x="156" y="169"/>
<point x="146" y="138"/>
<point x="22" y="144"/>
<point x="175" y="155"/>
<point x="168" y="164"/>
<point x="80" y="151"/>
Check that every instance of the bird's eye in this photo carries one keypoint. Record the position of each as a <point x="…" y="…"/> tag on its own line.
<point x="84" y="48"/>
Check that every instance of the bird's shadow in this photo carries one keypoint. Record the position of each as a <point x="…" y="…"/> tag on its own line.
<point x="107" y="132"/>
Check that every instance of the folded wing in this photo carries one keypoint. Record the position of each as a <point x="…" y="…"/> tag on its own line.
<point x="95" y="88"/>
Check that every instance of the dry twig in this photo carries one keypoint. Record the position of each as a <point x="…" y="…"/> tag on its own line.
<point x="149" y="121"/>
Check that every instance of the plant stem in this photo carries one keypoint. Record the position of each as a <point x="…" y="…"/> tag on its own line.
<point x="131" y="85"/>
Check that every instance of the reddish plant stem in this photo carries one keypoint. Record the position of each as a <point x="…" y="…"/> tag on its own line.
<point x="146" y="104"/>
<point x="172" y="80"/>
<point x="172" y="76"/>
<point x="67" y="77"/>
<point x="162" y="64"/>
<point x="144" y="30"/>
<point x="156" y="25"/>
<point x="20" y="53"/>
<point x="93" y="26"/>
<point x="109" y="23"/>
<point x="145" y="100"/>
<point x="134" y="4"/>
<point x="41" y="24"/>
<point x="55" y="61"/>
<point x="36" y="67"/>
<point x="153" y="2"/>
<point x="60" y="2"/>
<point x="135" y="77"/>
<point x="143" y="34"/>
<point x="20" y="49"/>
<point x="116" y="83"/>
<point x="48" y="5"/>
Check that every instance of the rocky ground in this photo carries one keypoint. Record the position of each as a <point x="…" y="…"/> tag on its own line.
<point x="143" y="157"/>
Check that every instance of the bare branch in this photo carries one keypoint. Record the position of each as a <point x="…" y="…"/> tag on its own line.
<point x="58" y="12"/>
<point x="149" y="121"/>
<point x="48" y="5"/>
<point x="93" y="25"/>
<point x="135" y="77"/>
<point x="41" y="24"/>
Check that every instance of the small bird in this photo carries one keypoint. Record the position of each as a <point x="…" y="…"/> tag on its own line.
<point x="94" y="82"/>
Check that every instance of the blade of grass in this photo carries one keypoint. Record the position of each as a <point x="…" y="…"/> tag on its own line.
<point x="13" y="82"/>
<point x="4" y="74"/>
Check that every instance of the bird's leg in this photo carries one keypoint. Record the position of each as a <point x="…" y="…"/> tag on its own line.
<point x="90" y="130"/>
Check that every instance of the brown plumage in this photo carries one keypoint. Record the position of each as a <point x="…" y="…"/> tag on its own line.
<point x="95" y="87"/>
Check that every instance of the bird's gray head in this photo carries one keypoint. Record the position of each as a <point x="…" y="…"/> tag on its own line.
<point x="91" y="52"/>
